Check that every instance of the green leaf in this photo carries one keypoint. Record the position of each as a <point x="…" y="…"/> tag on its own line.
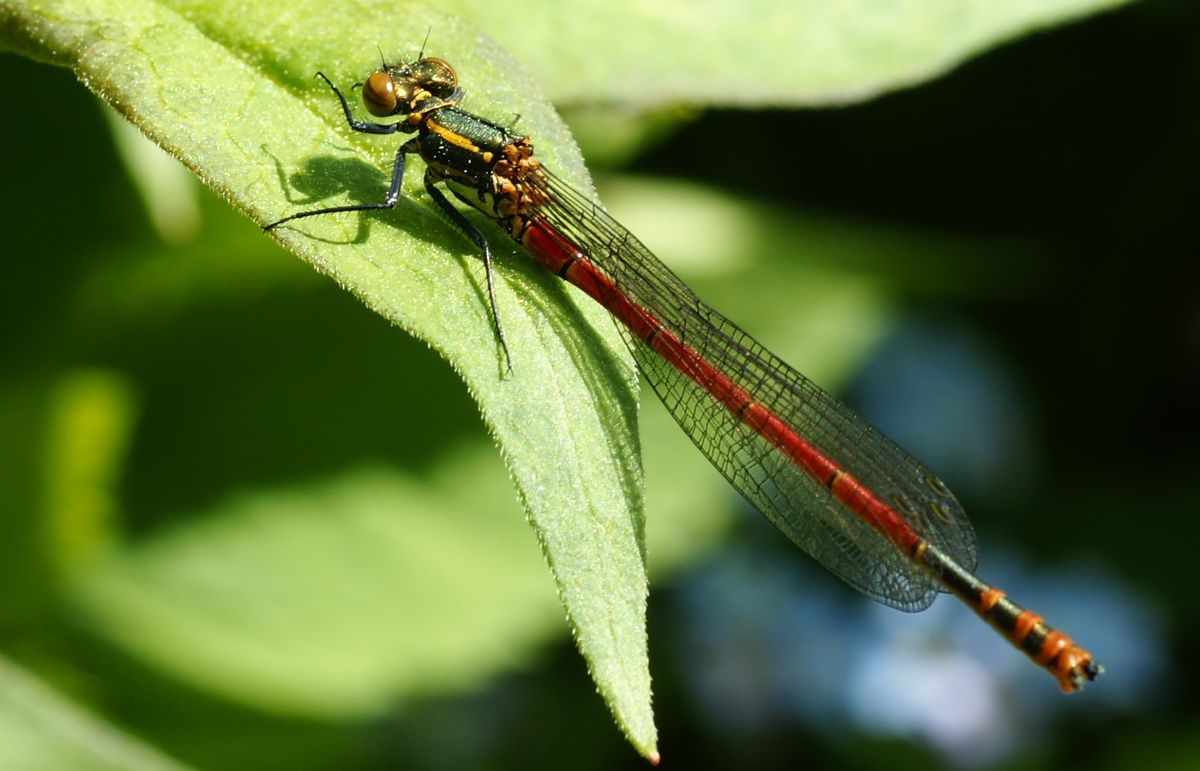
<point x="753" y="52"/>
<point x="41" y="729"/>
<point x="334" y="599"/>
<point x="229" y="91"/>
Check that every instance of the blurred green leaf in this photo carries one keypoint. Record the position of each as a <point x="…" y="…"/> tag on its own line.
<point x="89" y="429"/>
<point x="337" y="598"/>
<point x="42" y="730"/>
<point x="753" y="52"/>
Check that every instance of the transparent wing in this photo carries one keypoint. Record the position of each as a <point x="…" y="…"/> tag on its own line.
<point x="796" y="503"/>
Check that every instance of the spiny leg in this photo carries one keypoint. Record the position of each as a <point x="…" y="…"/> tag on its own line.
<point x="481" y="241"/>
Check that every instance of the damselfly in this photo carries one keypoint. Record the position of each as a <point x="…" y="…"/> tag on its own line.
<point x="837" y="487"/>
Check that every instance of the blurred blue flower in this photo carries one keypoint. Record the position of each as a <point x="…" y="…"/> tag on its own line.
<point x="772" y="641"/>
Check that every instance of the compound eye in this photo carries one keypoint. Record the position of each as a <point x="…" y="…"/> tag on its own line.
<point x="379" y="95"/>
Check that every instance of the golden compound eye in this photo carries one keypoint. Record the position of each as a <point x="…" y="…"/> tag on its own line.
<point x="379" y="95"/>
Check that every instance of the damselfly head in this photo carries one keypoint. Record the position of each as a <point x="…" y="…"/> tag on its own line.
<point x="402" y="89"/>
